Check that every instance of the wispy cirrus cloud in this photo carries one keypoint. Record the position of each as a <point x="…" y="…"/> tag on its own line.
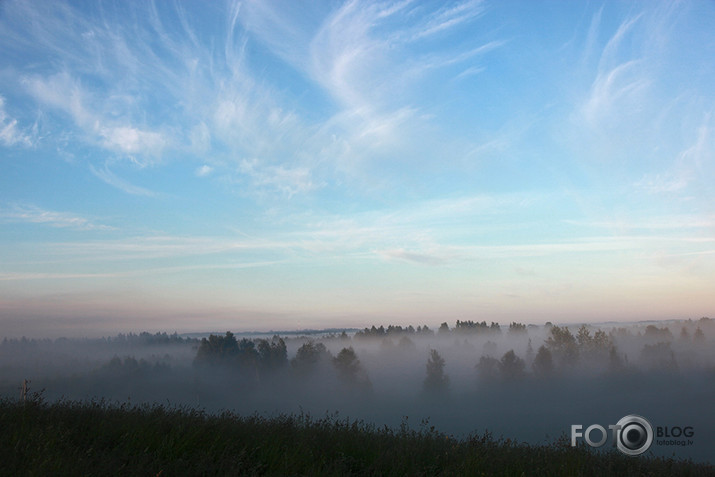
<point x="433" y="258"/>
<point x="10" y="133"/>
<point x="18" y="276"/>
<point x="362" y="67"/>
<point x="621" y="80"/>
<point x="360" y="56"/>
<point x="419" y="233"/>
<point x="150" y="247"/>
<point x="110" y="178"/>
<point x="662" y="222"/>
<point x="450" y="16"/>
<point x="138" y="272"/>
<point x="183" y="92"/>
<point x="67" y="94"/>
<point x="36" y="215"/>
<point x="693" y="165"/>
<point x="641" y="115"/>
<point x="283" y="178"/>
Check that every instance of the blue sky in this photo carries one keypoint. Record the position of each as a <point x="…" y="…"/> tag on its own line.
<point x="266" y="165"/>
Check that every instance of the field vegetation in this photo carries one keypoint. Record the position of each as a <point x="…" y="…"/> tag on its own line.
<point x="95" y="438"/>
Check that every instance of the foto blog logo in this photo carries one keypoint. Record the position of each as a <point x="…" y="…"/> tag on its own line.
<point x="633" y="434"/>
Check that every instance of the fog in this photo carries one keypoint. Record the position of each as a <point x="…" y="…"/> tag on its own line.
<point x="461" y="378"/>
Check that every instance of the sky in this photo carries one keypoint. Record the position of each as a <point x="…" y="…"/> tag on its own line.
<point x="260" y="165"/>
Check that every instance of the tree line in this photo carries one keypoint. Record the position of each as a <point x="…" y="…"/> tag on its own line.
<point x="562" y="350"/>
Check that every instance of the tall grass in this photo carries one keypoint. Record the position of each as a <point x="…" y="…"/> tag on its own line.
<point x="98" y="438"/>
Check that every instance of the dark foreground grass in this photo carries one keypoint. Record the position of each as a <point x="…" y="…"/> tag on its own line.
<point x="95" y="438"/>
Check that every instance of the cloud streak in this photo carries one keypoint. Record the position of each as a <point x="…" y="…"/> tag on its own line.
<point x="620" y="84"/>
<point x="66" y="94"/>
<point x="36" y="215"/>
<point x="691" y="166"/>
<point x="10" y="132"/>
<point x="113" y="180"/>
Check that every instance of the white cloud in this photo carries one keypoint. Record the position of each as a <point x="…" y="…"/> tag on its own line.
<point x="426" y="230"/>
<point x="693" y="165"/>
<point x="16" y="276"/>
<point x="62" y="91"/>
<point x="621" y="79"/>
<point x="110" y="178"/>
<point x="179" y="92"/>
<point x="702" y="152"/>
<point x="450" y="16"/>
<point x="287" y="180"/>
<point x="36" y="215"/>
<point x="664" y="183"/>
<point x="615" y="91"/>
<point x="362" y="67"/>
<point x="423" y="258"/>
<point x="663" y="222"/>
<point x="10" y="133"/>
<point x="471" y="71"/>
<point x="130" y="140"/>
<point x="138" y="272"/>
<point x="146" y="248"/>
<point x="357" y="55"/>
<point x="204" y="171"/>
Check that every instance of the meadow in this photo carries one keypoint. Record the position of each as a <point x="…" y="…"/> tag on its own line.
<point x="96" y="438"/>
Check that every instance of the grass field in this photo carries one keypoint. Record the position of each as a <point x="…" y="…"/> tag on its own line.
<point x="95" y="438"/>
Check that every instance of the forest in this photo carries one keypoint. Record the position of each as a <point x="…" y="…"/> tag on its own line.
<point x="526" y="383"/>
